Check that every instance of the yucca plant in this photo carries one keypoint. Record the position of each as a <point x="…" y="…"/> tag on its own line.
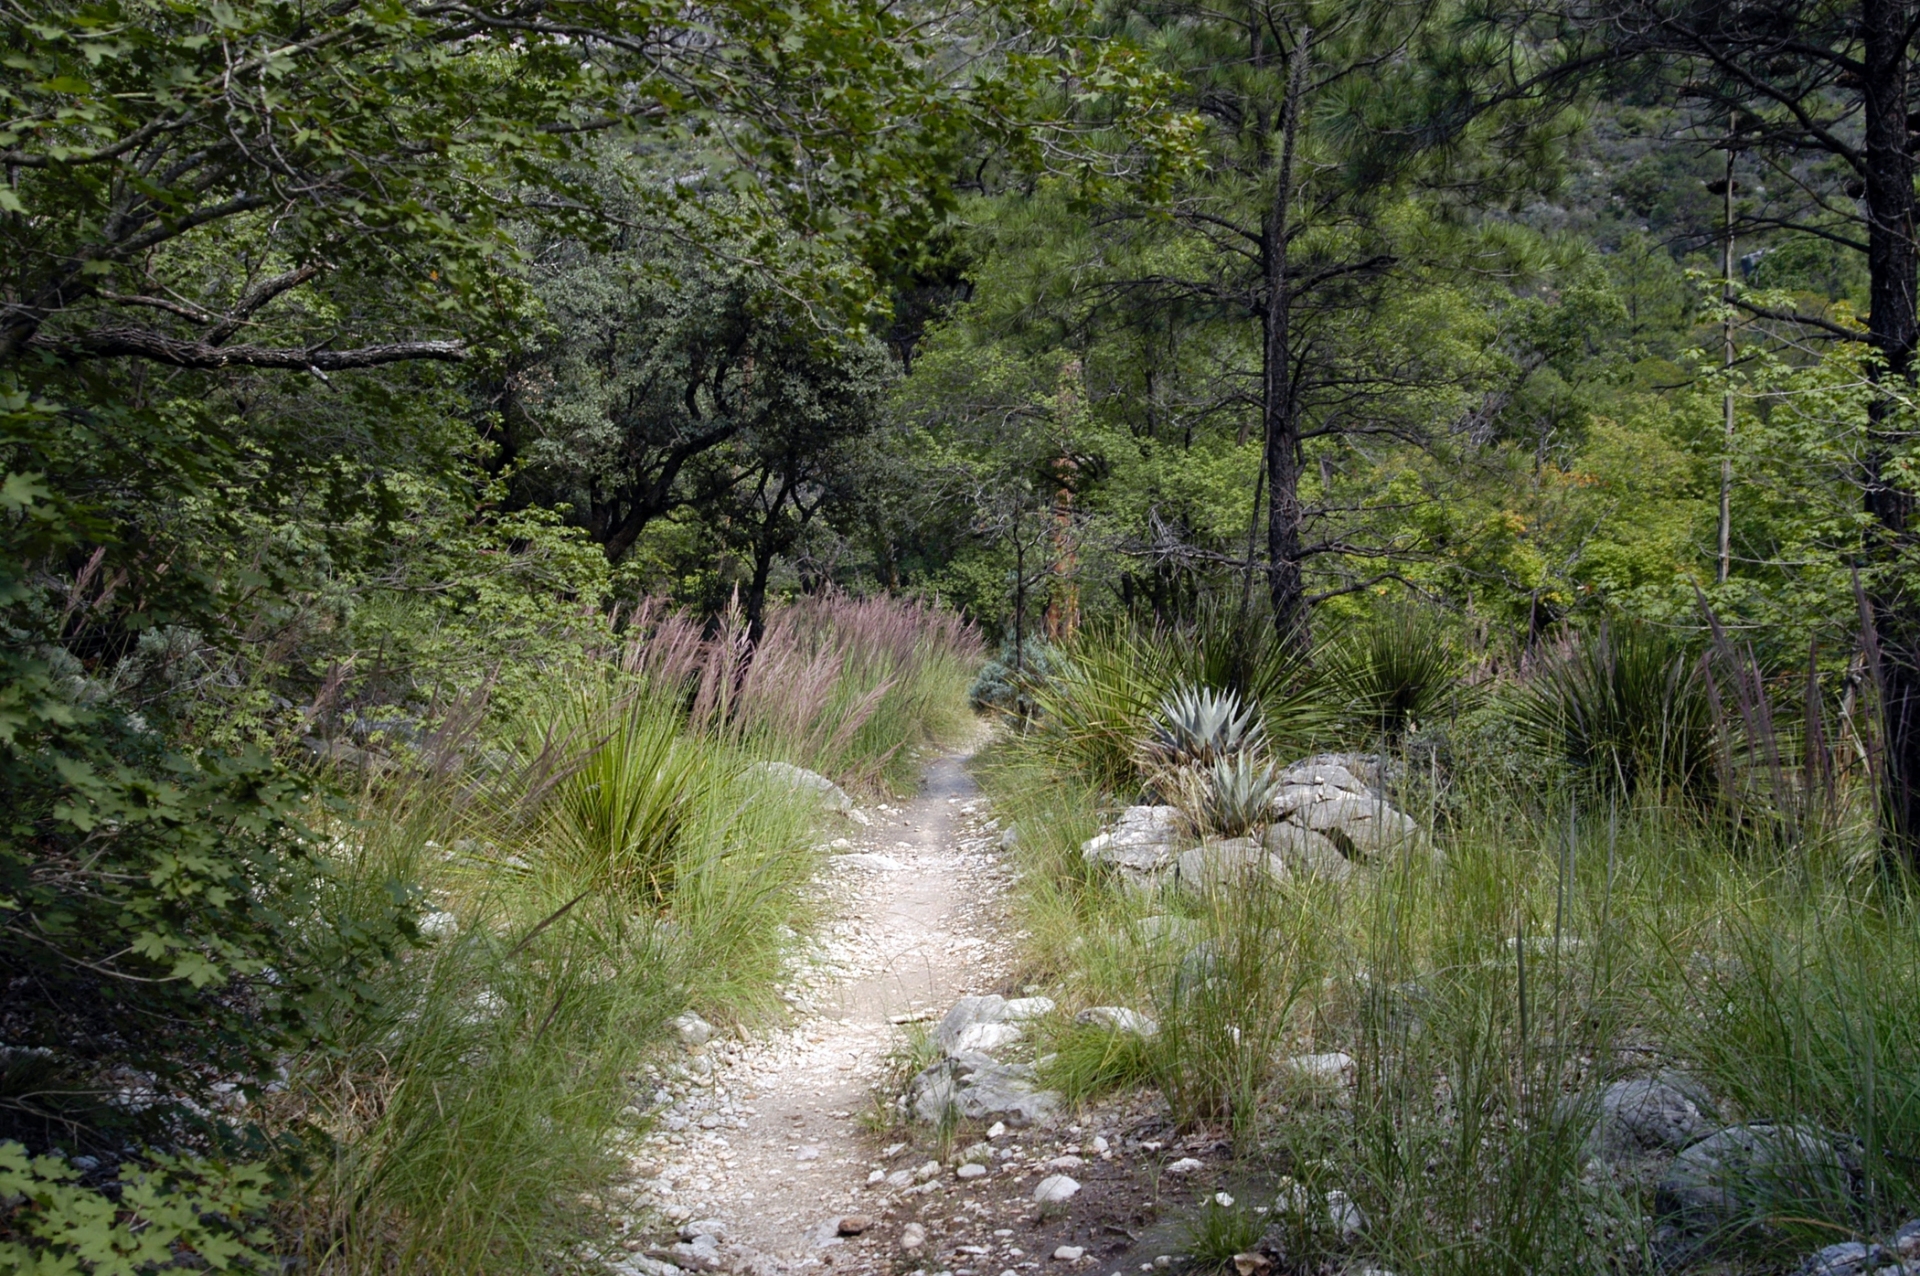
<point x="618" y="815"/>
<point x="1093" y="710"/>
<point x="1223" y="648"/>
<point x="1628" y="707"/>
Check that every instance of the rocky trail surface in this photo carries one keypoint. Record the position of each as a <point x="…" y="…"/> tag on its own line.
<point x="795" y="1150"/>
<point x="762" y="1140"/>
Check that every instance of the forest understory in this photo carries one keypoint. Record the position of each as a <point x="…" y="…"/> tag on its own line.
<point x="512" y="516"/>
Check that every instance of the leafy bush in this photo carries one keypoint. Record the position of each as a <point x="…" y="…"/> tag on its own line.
<point x="1004" y="683"/>
<point x="52" y="1223"/>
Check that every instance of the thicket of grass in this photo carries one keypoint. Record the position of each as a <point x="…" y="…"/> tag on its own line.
<point x="1565" y="933"/>
<point x="610" y="857"/>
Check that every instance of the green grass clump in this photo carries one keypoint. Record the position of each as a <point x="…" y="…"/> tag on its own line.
<point x="1216" y="1233"/>
<point x="1087" y="1062"/>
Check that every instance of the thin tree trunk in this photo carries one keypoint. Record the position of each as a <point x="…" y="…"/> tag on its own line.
<point x="1894" y="331"/>
<point x="1286" y="583"/>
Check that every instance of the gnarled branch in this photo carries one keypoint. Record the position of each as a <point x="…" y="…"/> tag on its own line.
<point x="144" y="343"/>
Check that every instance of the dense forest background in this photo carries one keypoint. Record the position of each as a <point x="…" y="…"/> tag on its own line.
<point x="373" y="375"/>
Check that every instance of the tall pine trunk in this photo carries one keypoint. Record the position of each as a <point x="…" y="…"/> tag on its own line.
<point x="1286" y="582"/>
<point x="1894" y="330"/>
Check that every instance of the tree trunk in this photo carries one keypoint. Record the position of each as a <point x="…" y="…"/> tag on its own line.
<point x="1286" y="584"/>
<point x="1894" y="331"/>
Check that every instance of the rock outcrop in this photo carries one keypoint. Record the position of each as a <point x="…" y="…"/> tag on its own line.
<point x="1329" y="815"/>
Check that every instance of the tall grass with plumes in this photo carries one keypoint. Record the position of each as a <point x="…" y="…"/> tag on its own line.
<point x="848" y="687"/>
<point x="1564" y="934"/>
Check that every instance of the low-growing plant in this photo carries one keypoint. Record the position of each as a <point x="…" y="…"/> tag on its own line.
<point x="1199" y="726"/>
<point x="1237" y="796"/>
<point x="1218" y="1233"/>
<point x="1085" y="1062"/>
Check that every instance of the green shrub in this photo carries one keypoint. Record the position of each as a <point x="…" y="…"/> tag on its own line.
<point x="52" y="1223"/>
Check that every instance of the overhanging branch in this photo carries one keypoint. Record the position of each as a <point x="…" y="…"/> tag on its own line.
<point x="144" y="343"/>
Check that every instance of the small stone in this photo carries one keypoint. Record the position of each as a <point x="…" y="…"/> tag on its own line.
<point x="693" y="1231"/>
<point x="1345" y="1216"/>
<point x="693" y="1030"/>
<point x="912" y="1236"/>
<point x="1185" y="1165"/>
<point x="807" y="1153"/>
<point x="997" y="1129"/>
<point x="1332" y="1066"/>
<point x="1028" y="1008"/>
<point x="1069" y="1254"/>
<point x="931" y="1170"/>
<point x="438" y="926"/>
<point x="1223" y="1200"/>
<point x="854" y="1224"/>
<point x="1099" y="1145"/>
<point x="1249" y="1263"/>
<point x="972" y="1170"/>
<point x="878" y="1176"/>
<point x="1065" y="1163"/>
<point x="1117" y="1019"/>
<point x="1054" y="1189"/>
<point x="872" y="863"/>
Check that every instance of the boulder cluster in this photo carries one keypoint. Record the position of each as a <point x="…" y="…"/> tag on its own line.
<point x="1329" y="815"/>
<point x="968" y="1081"/>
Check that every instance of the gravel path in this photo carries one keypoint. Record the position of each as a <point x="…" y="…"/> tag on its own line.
<point x="764" y="1136"/>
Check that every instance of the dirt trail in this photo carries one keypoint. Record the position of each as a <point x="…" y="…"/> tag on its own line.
<point x="764" y="1136"/>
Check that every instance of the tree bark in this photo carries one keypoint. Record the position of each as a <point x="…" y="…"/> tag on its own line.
<point x="1894" y="330"/>
<point x="1286" y="582"/>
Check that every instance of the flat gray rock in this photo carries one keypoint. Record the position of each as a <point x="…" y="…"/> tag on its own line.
<point x="1323" y="773"/>
<point x="1141" y="840"/>
<point x="798" y="778"/>
<point x="967" y="1013"/>
<point x="978" y="1088"/>
<point x="1642" y="1116"/>
<point x="1736" y="1179"/>
<point x="1306" y="853"/>
<point x="1226" y="862"/>
<point x="1367" y="825"/>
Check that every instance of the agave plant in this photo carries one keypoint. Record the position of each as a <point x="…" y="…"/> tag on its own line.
<point x="1198" y="726"/>
<point x="1238" y="795"/>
